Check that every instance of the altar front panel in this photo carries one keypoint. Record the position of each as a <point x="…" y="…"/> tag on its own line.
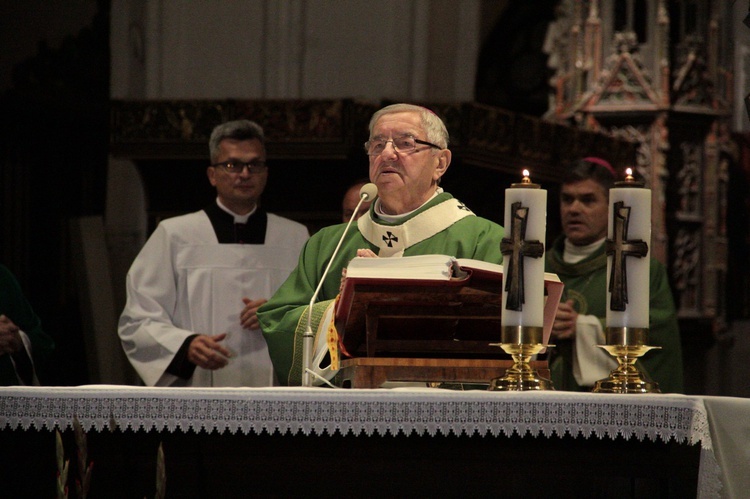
<point x="237" y="465"/>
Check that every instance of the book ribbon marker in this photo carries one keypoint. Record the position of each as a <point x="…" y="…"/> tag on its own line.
<point x="332" y="339"/>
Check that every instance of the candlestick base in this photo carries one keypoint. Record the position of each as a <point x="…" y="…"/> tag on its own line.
<point x="626" y="345"/>
<point x="521" y="343"/>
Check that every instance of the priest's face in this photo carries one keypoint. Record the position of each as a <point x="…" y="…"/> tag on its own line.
<point x="405" y="180"/>
<point x="584" y="208"/>
<point x="239" y="190"/>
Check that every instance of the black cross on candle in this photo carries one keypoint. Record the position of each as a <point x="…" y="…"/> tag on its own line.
<point x="518" y="248"/>
<point x="620" y="248"/>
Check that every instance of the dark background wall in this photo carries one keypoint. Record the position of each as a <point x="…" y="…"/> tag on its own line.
<point x="53" y="151"/>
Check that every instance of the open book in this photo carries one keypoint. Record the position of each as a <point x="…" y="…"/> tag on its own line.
<point x="427" y="267"/>
<point x="429" y="285"/>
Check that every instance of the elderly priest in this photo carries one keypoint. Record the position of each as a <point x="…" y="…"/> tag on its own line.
<point x="412" y="215"/>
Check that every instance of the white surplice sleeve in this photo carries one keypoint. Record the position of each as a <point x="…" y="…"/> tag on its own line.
<point x="147" y="329"/>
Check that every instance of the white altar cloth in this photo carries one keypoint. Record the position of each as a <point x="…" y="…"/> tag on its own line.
<point x="685" y="419"/>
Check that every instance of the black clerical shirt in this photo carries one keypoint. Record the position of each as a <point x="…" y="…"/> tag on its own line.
<point x="228" y="232"/>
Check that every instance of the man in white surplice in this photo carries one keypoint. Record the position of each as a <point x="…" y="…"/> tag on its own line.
<point x="194" y="289"/>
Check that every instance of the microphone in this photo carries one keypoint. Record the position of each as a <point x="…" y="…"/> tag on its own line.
<point x="366" y="193"/>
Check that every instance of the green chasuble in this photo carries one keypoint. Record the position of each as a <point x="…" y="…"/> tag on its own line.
<point x="283" y="318"/>
<point x="586" y="284"/>
<point x="15" y="307"/>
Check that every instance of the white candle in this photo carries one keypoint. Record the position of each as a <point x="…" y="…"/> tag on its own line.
<point x="637" y="268"/>
<point x="533" y="198"/>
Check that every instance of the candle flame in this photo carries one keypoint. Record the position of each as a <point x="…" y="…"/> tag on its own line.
<point x="629" y="175"/>
<point x="628" y="171"/>
<point x="526" y="179"/>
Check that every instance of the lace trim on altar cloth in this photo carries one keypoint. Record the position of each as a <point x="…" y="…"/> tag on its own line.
<point x="369" y="412"/>
<point x="322" y="410"/>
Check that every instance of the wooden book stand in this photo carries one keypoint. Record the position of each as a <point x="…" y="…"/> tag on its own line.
<point x="421" y="331"/>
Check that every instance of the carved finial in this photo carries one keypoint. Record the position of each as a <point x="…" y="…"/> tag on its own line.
<point x="625" y="41"/>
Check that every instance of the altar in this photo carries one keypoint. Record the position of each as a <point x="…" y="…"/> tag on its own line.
<point x="350" y="442"/>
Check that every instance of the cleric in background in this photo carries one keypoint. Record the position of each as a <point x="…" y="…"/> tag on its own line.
<point x="351" y="200"/>
<point x="24" y="346"/>
<point x="412" y="215"/>
<point x="579" y="259"/>
<point x="194" y="289"/>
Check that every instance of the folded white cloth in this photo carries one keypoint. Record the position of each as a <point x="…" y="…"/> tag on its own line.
<point x="590" y="363"/>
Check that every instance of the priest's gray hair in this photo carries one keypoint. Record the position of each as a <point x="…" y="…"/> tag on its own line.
<point x="236" y="130"/>
<point x="433" y="126"/>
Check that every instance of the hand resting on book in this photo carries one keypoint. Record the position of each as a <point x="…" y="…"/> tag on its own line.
<point x="363" y="253"/>
<point x="366" y="253"/>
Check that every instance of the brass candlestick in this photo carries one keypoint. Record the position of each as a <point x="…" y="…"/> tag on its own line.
<point x="626" y="345"/>
<point x="521" y="342"/>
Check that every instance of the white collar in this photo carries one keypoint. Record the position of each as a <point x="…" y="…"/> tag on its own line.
<point x="393" y="240"/>
<point x="395" y="218"/>
<point x="238" y="219"/>
<point x="574" y="254"/>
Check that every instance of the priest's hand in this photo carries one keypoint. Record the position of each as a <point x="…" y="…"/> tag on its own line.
<point x="564" y="327"/>
<point x="248" y="317"/>
<point x="207" y="352"/>
<point x="10" y="337"/>
<point x="362" y="252"/>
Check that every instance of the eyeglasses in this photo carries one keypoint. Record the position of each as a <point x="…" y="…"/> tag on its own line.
<point x="403" y="145"/>
<point x="254" y="167"/>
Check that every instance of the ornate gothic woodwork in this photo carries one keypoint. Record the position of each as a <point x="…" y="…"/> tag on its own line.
<point x="315" y="151"/>
<point x="301" y="130"/>
<point x="659" y="74"/>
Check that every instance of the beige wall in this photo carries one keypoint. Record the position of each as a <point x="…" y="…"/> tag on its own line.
<point x="397" y="49"/>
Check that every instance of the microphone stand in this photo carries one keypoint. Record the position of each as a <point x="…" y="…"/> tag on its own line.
<point x="308" y="337"/>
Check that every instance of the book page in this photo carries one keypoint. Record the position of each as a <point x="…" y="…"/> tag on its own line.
<point x="470" y="263"/>
<point x="426" y="267"/>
